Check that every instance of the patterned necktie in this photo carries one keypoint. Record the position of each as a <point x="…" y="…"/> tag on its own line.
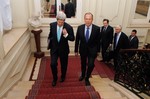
<point x="58" y="34"/>
<point x="87" y="34"/>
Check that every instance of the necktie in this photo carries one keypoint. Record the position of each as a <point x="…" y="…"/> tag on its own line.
<point x="104" y="29"/>
<point x="87" y="34"/>
<point x="58" y="34"/>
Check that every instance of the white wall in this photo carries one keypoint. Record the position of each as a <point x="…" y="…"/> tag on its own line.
<point x="117" y="11"/>
<point x="20" y="13"/>
<point x="13" y="63"/>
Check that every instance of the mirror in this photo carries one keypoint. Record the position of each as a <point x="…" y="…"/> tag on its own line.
<point x="142" y="9"/>
<point x="49" y="8"/>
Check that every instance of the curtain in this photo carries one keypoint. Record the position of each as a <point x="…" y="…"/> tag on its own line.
<point x="5" y="15"/>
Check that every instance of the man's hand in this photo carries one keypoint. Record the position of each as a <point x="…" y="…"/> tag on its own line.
<point x="64" y="31"/>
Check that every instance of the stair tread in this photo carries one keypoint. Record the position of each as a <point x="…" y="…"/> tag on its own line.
<point x="61" y="90"/>
<point x="104" y="88"/>
<point x="79" y="95"/>
<point x="116" y="98"/>
<point x="25" y="83"/>
<point x="110" y="94"/>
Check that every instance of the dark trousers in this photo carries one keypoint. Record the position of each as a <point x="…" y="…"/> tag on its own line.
<point x="89" y="62"/>
<point x="63" y="62"/>
<point x="104" y="48"/>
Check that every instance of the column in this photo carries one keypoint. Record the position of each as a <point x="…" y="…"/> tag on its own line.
<point x="38" y="53"/>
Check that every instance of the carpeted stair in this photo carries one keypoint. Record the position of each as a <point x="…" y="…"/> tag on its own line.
<point x="71" y="88"/>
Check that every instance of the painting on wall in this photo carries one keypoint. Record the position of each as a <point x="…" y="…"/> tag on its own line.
<point x="142" y="8"/>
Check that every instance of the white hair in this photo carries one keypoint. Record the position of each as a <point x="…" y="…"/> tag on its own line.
<point x="118" y="26"/>
<point x="61" y="15"/>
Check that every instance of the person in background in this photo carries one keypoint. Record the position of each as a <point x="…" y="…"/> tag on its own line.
<point x="134" y="41"/>
<point x="87" y="41"/>
<point x="106" y="38"/>
<point x="69" y="9"/>
<point x="121" y="41"/>
<point x="60" y="34"/>
<point x="60" y="8"/>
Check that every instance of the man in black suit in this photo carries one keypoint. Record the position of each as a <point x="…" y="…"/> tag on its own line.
<point x="60" y="33"/>
<point x="69" y="9"/>
<point x="134" y="41"/>
<point x="87" y="41"/>
<point x="106" y="38"/>
<point x="61" y="8"/>
<point x="121" y="41"/>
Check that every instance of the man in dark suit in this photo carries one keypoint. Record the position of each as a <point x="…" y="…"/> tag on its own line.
<point x="134" y="41"/>
<point x="69" y="9"/>
<point x="60" y="9"/>
<point x="87" y="41"/>
<point x="106" y="38"/>
<point x="121" y="41"/>
<point x="60" y="33"/>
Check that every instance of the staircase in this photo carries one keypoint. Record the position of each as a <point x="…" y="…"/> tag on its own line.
<point x="20" y="90"/>
<point x="70" y="89"/>
<point x="106" y="88"/>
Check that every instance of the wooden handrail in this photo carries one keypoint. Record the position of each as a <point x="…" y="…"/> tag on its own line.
<point x="135" y="50"/>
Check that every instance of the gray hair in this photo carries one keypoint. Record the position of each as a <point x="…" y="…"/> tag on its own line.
<point x="118" y="26"/>
<point x="61" y="16"/>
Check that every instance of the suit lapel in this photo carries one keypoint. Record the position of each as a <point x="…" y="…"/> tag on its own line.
<point x="83" y="32"/>
<point x="55" y="32"/>
<point x="64" y="26"/>
<point x="92" y="33"/>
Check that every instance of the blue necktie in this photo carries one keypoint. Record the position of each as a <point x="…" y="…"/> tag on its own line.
<point x="58" y="34"/>
<point x="87" y="34"/>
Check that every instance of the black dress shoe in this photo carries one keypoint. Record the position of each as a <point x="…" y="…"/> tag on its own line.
<point x="54" y="83"/>
<point x="62" y="80"/>
<point x="87" y="83"/>
<point x="81" y="78"/>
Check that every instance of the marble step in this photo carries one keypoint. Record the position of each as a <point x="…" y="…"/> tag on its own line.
<point x="104" y="89"/>
<point x="17" y="93"/>
<point x="124" y="91"/>
<point x="110" y="94"/>
<point x="116" y="98"/>
<point x="20" y="97"/>
<point x="25" y="83"/>
<point x="20" y="91"/>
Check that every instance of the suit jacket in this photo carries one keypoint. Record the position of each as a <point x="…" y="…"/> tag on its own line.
<point x="134" y="42"/>
<point x="90" y="47"/>
<point x="123" y="42"/>
<point x="69" y="10"/>
<point x="62" y="46"/>
<point x="107" y="36"/>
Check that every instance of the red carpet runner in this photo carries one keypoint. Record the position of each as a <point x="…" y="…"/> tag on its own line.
<point x="71" y="88"/>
